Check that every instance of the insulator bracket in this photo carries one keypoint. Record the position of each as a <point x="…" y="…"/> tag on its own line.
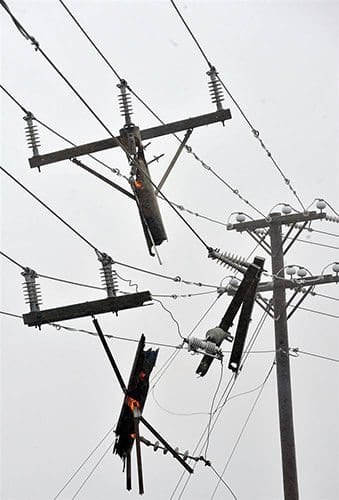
<point x="125" y="104"/>
<point x="32" y="134"/>
<point x="215" y="88"/>
<point x="31" y="289"/>
<point x="108" y="275"/>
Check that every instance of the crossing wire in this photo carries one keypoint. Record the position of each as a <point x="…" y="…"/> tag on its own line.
<point x="188" y="148"/>
<point x="254" y="131"/>
<point x="132" y="160"/>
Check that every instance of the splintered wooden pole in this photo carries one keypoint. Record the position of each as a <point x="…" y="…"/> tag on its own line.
<point x="128" y="473"/>
<point x="138" y="450"/>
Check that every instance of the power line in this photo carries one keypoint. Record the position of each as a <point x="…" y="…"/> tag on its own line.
<point x="83" y="463"/>
<point x="224" y="482"/>
<point x="48" y="208"/>
<point x="176" y="347"/>
<point x="314" y="243"/>
<point x="212" y="407"/>
<point x="61" y="280"/>
<point x="5" y="313"/>
<point x="255" y="132"/>
<point x="93" y="470"/>
<point x="176" y="279"/>
<point x="12" y="260"/>
<point x="324" y="296"/>
<point x="59" y="327"/>
<point x="244" y="427"/>
<point x="90" y="40"/>
<point x="317" y="312"/>
<point x="297" y="351"/>
<point x="312" y="230"/>
<point x="229" y="387"/>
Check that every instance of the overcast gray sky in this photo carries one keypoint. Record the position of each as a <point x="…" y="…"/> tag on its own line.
<point x="59" y="395"/>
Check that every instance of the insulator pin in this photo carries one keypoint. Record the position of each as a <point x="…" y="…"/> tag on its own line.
<point x="108" y="275"/>
<point x="125" y="104"/>
<point x="32" y="134"/>
<point x="215" y="88"/>
<point x="31" y="289"/>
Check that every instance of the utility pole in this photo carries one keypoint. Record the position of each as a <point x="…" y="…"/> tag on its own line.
<point x="277" y="248"/>
<point x="287" y="441"/>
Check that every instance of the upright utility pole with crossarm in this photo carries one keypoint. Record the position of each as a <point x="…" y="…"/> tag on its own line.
<point x="277" y="248"/>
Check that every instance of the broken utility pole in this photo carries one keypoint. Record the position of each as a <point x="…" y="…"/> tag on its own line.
<point x="243" y="298"/>
<point x="127" y="430"/>
<point x="145" y="192"/>
<point x="111" y="304"/>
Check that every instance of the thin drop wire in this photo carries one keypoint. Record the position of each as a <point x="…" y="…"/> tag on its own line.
<point x="171" y="315"/>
